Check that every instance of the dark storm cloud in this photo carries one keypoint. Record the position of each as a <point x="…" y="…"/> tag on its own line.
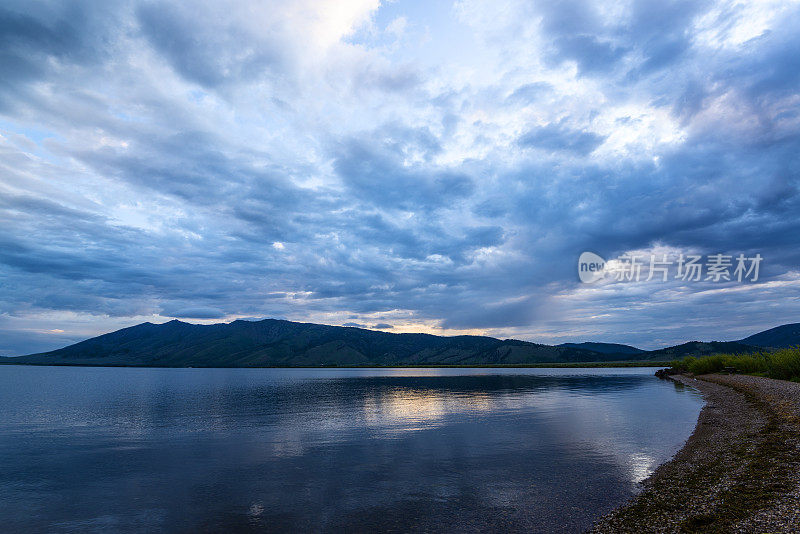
<point x="530" y="92"/>
<point x="663" y="30"/>
<point x="188" y="164"/>
<point x="200" y="48"/>
<point x="591" y="54"/>
<point x="192" y="312"/>
<point x="657" y="34"/>
<point x="560" y="137"/>
<point x="35" y="38"/>
<point x="375" y="172"/>
<point x="395" y="79"/>
<point x="690" y="199"/>
<point x="520" y="312"/>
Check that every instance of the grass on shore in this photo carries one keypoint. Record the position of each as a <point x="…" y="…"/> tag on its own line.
<point x="783" y="364"/>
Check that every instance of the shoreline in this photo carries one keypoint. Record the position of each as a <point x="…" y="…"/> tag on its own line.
<point x="739" y="471"/>
<point x="552" y="365"/>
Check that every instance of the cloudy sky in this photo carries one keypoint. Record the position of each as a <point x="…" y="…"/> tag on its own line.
<point x="414" y="166"/>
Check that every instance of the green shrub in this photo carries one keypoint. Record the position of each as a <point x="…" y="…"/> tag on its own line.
<point x="707" y="364"/>
<point x="683" y="365"/>
<point x="747" y="363"/>
<point x="783" y="364"/>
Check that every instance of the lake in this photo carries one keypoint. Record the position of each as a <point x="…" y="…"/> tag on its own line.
<point x="329" y="450"/>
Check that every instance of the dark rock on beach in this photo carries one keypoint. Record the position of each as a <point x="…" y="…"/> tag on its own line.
<point x="666" y="373"/>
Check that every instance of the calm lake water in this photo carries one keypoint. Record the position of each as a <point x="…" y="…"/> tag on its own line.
<point x="310" y="450"/>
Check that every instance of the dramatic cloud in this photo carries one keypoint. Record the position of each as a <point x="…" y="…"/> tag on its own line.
<point x="395" y="165"/>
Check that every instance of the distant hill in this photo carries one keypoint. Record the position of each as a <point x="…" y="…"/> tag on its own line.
<point x="605" y="348"/>
<point x="273" y="342"/>
<point x="700" y="348"/>
<point x="277" y="343"/>
<point x="784" y="336"/>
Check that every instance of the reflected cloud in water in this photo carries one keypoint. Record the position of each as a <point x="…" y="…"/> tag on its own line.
<point x="309" y="449"/>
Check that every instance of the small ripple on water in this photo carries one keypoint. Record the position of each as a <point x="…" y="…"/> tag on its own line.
<point x="141" y="449"/>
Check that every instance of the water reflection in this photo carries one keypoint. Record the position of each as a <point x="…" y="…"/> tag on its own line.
<point x="328" y="450"/>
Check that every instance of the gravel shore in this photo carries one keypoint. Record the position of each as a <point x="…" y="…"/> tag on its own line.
<point x="738" y="472"/>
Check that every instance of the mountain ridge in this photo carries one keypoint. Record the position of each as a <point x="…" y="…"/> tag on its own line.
<point x="282" y="343"/>
<point x="607" y="348"/>
<point x="779" y="337"/>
